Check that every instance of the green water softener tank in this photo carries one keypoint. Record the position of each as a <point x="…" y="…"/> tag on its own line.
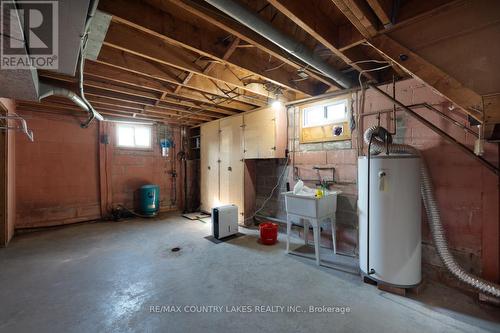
<point x="149" y="196"/>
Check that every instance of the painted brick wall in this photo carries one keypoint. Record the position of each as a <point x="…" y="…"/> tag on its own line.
<point x="132" y="168"/>
<point x="9" y="138"/>
<point x="57" y="175"/>
<point x="466" y="191"/>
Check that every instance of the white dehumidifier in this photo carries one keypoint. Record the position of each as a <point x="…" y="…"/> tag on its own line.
<point x="224" y="221"/>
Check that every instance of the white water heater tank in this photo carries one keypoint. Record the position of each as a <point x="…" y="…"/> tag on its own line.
<point x="390" y="242"/>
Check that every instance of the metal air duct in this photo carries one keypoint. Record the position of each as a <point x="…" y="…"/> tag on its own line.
<point x="254" y="22"/>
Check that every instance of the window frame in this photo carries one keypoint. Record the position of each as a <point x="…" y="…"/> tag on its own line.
<point x="324" y="132"/>
<point x="325" y="105"/>
<point x="134" y="147"/>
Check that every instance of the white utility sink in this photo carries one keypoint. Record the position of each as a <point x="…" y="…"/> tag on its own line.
<point x="307" y="209"/>
<point x="310" y="206"/>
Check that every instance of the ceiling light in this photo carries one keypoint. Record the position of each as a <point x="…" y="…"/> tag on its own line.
<point x="276" y="104"/>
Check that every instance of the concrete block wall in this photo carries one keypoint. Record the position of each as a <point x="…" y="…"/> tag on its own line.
<point x="466" y="191"/>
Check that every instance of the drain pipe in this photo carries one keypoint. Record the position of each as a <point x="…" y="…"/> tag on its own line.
<point x="264" y="28"/>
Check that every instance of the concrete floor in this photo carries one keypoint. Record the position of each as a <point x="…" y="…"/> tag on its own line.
<point x="106" y="276"/>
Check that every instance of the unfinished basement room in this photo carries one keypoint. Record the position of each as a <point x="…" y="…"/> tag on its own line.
<point x="250" y="166"/>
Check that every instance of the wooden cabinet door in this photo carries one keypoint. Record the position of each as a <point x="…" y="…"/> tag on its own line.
<point x="209" y="164"/>
<point x="260" y="134"/>
<point x="231" y="165"/>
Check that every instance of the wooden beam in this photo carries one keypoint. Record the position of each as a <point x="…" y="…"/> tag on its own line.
<point x="234" y="28"/>
<point x="129" y="103"/>
<point x="109" y="101"/>
<point x="234" y="44"/>
<point x="195" y="114"/>
<point x="382" y="9"/>
<point x="119" y="36"/>
<point x="172" y="109"/>
<point x="48" y="106"/>
<point x="105" y="88"/>
<point x="113" y="74"/>
<point x="173" y="25"/>
<point x="119" y="98"/>
<point x="143" y="94"/>
<point x="105" y="85"/>
<point x="139" y="65"/>
<point x="318" y="26"/>
<point x="419" y="68"/>
<point x="100" y="70"/>
<point x="360" y="15"/>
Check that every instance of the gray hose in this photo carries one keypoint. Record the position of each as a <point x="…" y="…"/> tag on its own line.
<point x="433" y="216"/>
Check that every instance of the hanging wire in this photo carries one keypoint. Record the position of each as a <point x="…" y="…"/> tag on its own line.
<point x="275" y="68"/>
<point x="361" y="104"/>
<point x="369" y="61"/>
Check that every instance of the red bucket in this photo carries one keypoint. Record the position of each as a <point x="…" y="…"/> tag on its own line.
<point x="268" y="233"/>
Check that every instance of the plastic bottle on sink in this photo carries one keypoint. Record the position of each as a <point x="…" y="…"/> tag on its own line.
<point x="298" y="187"/>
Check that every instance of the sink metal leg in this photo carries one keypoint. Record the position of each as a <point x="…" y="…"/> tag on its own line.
<point x="334" y="233"/>
<point x="316" y="232"/>
<point x="288" y="232"/>
<point x="306" y="230"/>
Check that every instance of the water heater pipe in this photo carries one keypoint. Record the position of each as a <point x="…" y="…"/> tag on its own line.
<point x="433" y="215"/>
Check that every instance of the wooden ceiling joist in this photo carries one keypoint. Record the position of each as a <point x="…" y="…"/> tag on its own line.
<point x="171" y="109"/>
<point x="113" y="74"/>
<point x="119" y="37"/>
<point x="112" y="111"/>
<point x="114" y="97"/>
<point x="245" y="34"/>
<point x="176" y="26"/>
<point x="318" y="26"/>
<point x="360" y="15"/>
<point x="383" y="10"/>
<point x="148" y="98"/>
<point x="418" y="67"/>
<point x="109" y="97"/>
<point x="154" y="49"/>
<point x="109" y="101"/>
<point x="138" y="65"/>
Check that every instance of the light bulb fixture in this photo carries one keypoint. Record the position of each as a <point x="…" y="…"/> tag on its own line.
<point x="276" y="104"/>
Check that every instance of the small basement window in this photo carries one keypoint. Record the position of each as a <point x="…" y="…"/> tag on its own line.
<point x="325" y="114"/>
<point x="326" y="120"/>
<point x="133" y="136"/>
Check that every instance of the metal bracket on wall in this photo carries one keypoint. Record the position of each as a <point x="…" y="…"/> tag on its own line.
<point x="23" y="127"/>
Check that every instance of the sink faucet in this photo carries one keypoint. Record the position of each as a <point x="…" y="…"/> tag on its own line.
<point x="323" y="182"/>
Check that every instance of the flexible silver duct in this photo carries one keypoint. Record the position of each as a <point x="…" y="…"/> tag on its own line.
<point x="294" y="47"/>
<point x="81" y="60"/>
<point x="47" y="90"/>
<point x="433" y="215"/>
